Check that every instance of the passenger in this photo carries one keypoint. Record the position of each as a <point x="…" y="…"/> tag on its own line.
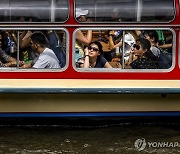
<point x="81" y="41"/>
<point x="57" y="46"/>
<point x="81" y="15"/>
<point x="160" y="49"/>
<point x="167" y="44"/>
<point x="113" y="42"/>
<point x="115" y="15"/>
<point x="93" y="57"/>
<point x="129" y="39"/>
<point x="26" y="54"/>
<point x="8" y="42"/>
<point x="152" y="36"/>
<point x="46" y="58"/>
<point x="141" y="57"/>
<point x="165" y="58"/>
<point x="6" y="60"/>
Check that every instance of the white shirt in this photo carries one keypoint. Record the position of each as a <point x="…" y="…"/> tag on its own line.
<point x="155" y="51"/>
<point x="47" y="59"/>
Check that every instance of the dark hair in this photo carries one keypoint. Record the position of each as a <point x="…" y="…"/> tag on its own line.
<point x="99" y="46"/>
<point x="152" y="34"/>
<point x="40" y="38"/>
<point x="146" y="45"/>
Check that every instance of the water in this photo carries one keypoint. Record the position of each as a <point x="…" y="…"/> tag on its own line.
<point x="118" y="139"/>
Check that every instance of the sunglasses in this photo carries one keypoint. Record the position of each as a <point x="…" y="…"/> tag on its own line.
<point x="92" y="48"/>
<point x="136" y="46"/>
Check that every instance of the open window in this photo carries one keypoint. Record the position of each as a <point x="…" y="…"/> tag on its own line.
<point x="122" y="50"/>
<point x="33" y="50"/>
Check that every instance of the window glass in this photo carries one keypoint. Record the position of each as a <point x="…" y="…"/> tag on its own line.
<point x="124" y="10"/>
<point x="62" y="10"/>
<point x="157" y="10"/>
<point x="33" y="11"/>
<point x="145" y="49"/>
<point x="26" y="49"/>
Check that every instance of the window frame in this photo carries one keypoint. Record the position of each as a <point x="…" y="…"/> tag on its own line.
<point x="120" y="70"/>
<point x="50" y="15"/>
<point x="129" y="22"/>
<point x="16" y="69"/>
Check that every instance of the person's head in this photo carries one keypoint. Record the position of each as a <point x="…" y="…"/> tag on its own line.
<point x="95" y="49"/>
<point x="152" y="36"/>
<point x="81" y="15"/>
<point x="82" y="18"/>
<point x="141" y="47"/>
<point x="115" y="15"/>
<point x="38" y="40"/>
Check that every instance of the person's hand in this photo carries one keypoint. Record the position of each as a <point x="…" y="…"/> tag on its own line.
<point x="11" y="64"/>
<point x="132" y="50"/>
<point x="112" y="33"/>
<point x="21" y="63"/>
<point x="8" y="64"/>
<point x="86" y="51"/>
<point x="26" y="65"/>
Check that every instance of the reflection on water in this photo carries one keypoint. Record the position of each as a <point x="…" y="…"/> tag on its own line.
<point x="92" y="140"/>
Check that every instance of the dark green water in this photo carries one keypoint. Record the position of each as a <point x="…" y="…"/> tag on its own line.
<point x="118" y="139"/>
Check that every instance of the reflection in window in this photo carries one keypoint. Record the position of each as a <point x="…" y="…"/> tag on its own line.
<point x="124" y="49"/>
<point x="124" y="10"/>
<point x="33" y="49"/>
<point x="33" y="11"/>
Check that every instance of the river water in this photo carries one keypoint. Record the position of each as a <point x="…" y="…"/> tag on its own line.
<point x="108" y="139"/>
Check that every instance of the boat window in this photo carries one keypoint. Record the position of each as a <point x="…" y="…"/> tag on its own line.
<point x="124" y="50"/>
<point x="61" y="10"/>
<point x="33" y="49"/>
<point x="124" y="10"/>
<point x="33" y="11"/>
<point x="157" y="10"/>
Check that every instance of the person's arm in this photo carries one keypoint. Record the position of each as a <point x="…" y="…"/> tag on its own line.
<point x="86" y="58"/>
<point x="138" y="32"/>
<point x="165" y="46"/>
<point x="11" y="59"/>
<point x="8" y="59"/>
<point x="132" y="57"/>
<point x="27" y="65"/>
<point x="107" y="65"/>
<point x="14" y="38"/>
<point x="84" y="39"/>
<point x="111" y="42"/>
<point x="11" y="62"/>
<point x="26" y="40"/>
<point x="130" y="60"/>
<point x="22" y="34"/>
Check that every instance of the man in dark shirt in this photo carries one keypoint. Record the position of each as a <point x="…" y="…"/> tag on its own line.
<point x="143" y="63"/>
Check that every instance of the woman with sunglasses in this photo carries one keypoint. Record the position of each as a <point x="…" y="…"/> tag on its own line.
<point x="93" y="57"/>
<point x="141" y="57"/>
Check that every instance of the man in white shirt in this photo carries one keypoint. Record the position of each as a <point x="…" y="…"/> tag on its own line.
<point x="46" y="58"/>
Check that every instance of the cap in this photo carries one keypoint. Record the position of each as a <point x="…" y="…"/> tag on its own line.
<point x="80" y="12"/>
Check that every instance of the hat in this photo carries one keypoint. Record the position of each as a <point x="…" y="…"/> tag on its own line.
<point x="80" y="12"/>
